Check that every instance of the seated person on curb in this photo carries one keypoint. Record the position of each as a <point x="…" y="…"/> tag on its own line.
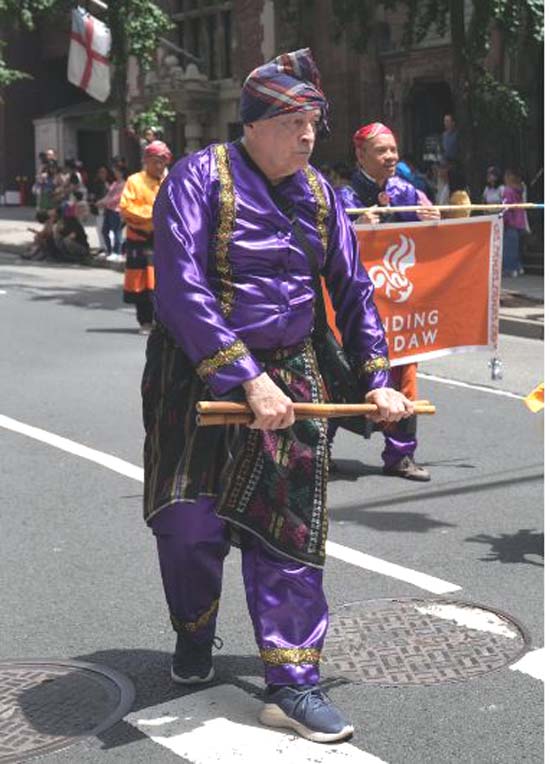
<point x="375" y="183"/>
<point x="43" y="246"/>
<point x="71" y="242"/>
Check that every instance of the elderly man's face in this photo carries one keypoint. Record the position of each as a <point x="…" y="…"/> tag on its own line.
<point x="378" y="156"/>
<point x="283" y="145"/>
<point x="155" y="166"/>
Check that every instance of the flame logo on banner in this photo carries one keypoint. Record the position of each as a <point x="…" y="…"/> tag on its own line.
<point x="391" y="274"/>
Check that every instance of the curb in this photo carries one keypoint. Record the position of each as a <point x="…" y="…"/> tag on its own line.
<point x="20" y="249"/>
<point x="517" y="327"/>
<point x="521" y="327"/>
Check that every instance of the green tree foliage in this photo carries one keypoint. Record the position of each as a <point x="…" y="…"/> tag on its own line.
<point x="159" y="112"/>
<point x="135" y="25"/>
<point x="484" y="100"/>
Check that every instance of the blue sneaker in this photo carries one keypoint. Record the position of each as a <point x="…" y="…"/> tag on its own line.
<point x="306" y="710"/>
<point x="192" y="661"/>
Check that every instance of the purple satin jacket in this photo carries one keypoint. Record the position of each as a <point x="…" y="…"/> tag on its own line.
<point x="231" y="278"/>
<point x="363" y="192"/>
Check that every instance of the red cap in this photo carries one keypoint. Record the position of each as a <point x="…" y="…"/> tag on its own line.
<point x="371" y="131"/>
<point x="158" y="149"/>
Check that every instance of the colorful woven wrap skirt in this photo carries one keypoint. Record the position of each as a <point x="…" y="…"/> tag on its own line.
<point x="272" y="484"/>
<point x="139" y="273"/>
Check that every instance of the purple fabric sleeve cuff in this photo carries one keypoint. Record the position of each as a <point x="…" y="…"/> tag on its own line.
<point x="233" y="375"/>
<point x="373" y="381"/>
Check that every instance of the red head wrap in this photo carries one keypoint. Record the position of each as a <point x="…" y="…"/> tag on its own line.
<point x="158" y="149"/>
<point x="370" y="131"/>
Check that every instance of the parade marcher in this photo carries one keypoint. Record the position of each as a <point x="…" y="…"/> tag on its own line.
<point x="234" y="303"/>
<point x="374" y="182"/>
<point x="136" y="209"/>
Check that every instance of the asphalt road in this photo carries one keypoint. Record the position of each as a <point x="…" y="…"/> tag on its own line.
<point x="78" y="568"/>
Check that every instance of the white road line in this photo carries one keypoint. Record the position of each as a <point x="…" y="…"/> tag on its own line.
<point x="338" y="551"/>
<point x="469" y="385"/>
<point x="533" y="663"/>
<point x="99" y="457"/>
<point x="391" y="569"/>
<point x="219" y="725"/>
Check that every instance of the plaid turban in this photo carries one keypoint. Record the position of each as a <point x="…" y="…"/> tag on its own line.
<point x="158" y="149"/>
<point x="289" y="83"/>
<point x="370" y="131"/>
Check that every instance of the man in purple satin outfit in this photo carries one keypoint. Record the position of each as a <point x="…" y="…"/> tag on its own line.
<point x="234" y="303"/>
<point x="374" y="183"/>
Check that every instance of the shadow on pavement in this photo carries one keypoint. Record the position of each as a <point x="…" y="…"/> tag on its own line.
<point x="415" y="522"/>
<point x="512" y="547"/>
<point x="352" y="469"/>
<point x="149" y="671"/>
<point x="452" y="490"/>
<point x="114" y="331"/>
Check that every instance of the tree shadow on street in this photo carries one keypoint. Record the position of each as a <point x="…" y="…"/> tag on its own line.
<point x="512" y="547"/>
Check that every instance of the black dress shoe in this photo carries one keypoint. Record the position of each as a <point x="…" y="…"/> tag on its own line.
<point x="407" y="468"/>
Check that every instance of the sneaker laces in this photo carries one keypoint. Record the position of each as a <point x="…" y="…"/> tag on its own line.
<point x="313" y="695"/>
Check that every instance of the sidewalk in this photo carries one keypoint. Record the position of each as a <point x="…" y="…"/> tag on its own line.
<point x="521" y="303"/>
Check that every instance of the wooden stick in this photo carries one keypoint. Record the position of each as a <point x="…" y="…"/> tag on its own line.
<point x="221" y="413"/>
<point x="387" y="210"/>
<point x="311" y="409"/>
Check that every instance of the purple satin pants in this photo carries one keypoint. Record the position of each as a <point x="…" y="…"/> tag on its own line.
<point x="285" y="598"/>
<point x="397" y="444"/>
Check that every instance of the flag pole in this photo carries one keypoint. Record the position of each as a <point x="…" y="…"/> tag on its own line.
<point x="162" y="40"/>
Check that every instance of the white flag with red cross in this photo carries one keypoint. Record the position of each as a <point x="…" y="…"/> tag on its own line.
<point x="88" y="65"/>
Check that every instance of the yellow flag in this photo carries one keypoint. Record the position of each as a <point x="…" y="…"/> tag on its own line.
<point x="535" y="400"/>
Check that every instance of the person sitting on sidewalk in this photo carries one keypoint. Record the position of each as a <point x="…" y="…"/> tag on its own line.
<point x="43" y="246"/>
<point x="71" y="242"/>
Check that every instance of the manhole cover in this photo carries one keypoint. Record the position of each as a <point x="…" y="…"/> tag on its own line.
<point x="414" y="641"/>
<point x="48" y="705"/>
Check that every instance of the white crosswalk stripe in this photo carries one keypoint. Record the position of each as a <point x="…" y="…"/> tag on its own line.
<point x="218" y="725"/>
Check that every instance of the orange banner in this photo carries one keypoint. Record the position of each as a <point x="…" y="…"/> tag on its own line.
<point x="437" y="285"/>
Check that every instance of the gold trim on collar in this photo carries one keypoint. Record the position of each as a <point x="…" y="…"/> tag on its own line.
<point x="322" y="210"/>
<point x="279" y="656"/>
<point x="226" y="224"/>
<point x="223" y="357"/>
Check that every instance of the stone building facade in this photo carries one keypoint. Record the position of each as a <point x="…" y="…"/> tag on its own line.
<point x="409" y="89"/>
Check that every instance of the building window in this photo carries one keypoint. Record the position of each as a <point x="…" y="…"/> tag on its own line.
<point x="204" y="28"/>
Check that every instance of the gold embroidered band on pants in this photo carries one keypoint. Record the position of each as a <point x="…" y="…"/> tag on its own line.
<point x="279" y="656"/>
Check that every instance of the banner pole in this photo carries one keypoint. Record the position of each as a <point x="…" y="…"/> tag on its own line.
<point x="445" y="208"/>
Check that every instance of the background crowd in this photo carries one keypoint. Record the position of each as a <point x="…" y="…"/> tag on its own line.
<point x="67" y="198"/>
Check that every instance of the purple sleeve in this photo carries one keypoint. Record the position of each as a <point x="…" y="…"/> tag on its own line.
<point x="403" y="194"/>
<point x="184" y="219"/>
<point x="348" y="198"/>
<point x="352" y="294"/>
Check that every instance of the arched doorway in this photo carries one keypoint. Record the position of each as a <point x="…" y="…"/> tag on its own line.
<point x="425" y="106"/>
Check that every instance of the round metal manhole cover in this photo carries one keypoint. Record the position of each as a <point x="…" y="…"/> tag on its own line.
<point x="397" y="642"/>
<point x="49" y="705"/>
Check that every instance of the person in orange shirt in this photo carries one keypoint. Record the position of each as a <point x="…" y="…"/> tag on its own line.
<point x="136" y="209"/>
